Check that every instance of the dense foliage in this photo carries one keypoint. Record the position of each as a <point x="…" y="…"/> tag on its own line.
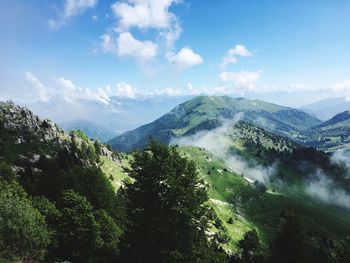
<point x="56" y="204"/>
<point x="167" y="215"/>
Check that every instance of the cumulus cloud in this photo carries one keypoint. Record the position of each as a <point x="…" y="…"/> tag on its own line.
<point x="71" y="8"/>
<point x="233" y="53"/>
<point x="242" y="80"/>
<point x="65" y="89"/>
<point x="145" y="15"/>
<point x="184" y="58"/>
<point x="125" y="90"/>
<point x="66" y="84"/>
<point x="42" y="91"/>
<point x="125" y="45"/>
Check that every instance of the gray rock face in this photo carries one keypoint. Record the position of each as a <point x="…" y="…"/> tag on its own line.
<point x="26" y="124"/>
<point x="23" y="127"/>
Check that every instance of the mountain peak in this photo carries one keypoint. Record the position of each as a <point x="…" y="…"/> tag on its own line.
<point x="207" y="112"/>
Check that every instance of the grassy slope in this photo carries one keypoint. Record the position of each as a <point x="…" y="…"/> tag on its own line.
<point x="232" y="196"/>
<point x="203" y="112"/>
<point x="114" y="171"/>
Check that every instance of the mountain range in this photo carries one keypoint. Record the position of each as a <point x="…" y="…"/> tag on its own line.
<point x="253" y="174"/>
<point x="209" y="112"/>
<point x="104" y="120"/>
<point x="327" y="108"/>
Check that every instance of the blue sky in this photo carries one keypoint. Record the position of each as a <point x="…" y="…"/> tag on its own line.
<point x="292" y="52"/>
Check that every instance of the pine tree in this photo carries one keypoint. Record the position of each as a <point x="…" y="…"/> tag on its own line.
<point x="165" y="209"/>
<point x="248" y="245"/>
<point x="290" y="244"/>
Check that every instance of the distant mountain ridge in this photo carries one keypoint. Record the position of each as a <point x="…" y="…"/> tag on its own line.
<point x="104" y="121"/>
<point x="208" y="112"/>
<point x="327" y="108"/>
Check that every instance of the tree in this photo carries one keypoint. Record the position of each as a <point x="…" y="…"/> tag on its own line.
<point x="290" y="244"/>
<point x="165" y="209"/>
<point x="78" y="229"/>
<point x="342" y="252"/>
<point x="249" y="245"/>
<point x="6" y="172"/>
<point x="23" y="231"/>
<point x="109" y="234"/>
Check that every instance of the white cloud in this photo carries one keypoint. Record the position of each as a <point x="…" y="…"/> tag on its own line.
<point x="341" y="86"/>
<point x="144" y="14"/>
<point x="167" y="92"/>
<point x="242" y="80"/>
<point x="148" y="14"/>
<point x="184" y="58"/>
<point x="125" y="90"/>
<point x="40" y="88"/>
<point x="66" y="90"/>
<point x="233" y="53"/>
<point x="66" y="84"/>
<point x="75" y="7"/>
<point x="71" y="8"/>
<point x="125" y="45"/>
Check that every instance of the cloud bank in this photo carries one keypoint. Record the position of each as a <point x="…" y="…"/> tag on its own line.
<point x="216" y="142"/>
<point x="325" y="189"/>
<point x="145" y="16"/>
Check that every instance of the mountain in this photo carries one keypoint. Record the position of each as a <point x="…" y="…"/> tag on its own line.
<point x="208" y="112"/>
<point x="327" y="108"/>
<point x="252" y="177"/>
<point x="331" y="135"/>
<point x="104" y="120"/>
<point x="57" y="191"/>
<point x="91" y="129"/>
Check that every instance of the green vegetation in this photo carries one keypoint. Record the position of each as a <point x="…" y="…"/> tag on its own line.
<point x="65" y="197"/>
<point x="208" y="112"/>
<point x="23" y="231"/>
<point x="166" y="185"/>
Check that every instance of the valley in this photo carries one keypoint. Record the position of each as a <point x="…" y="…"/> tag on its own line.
<point x="253" y="174"/>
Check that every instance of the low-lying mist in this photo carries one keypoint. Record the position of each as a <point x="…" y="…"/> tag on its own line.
<point x="217" y="142"/>
<point x="325" y="189"/>
<point x="317" y="185"/>
<point x="341" y="157"/>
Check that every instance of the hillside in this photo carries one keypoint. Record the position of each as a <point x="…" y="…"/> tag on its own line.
<point x="252" y="176"/>
<point x="208" y="112"/>
<point x="234" y="196"/>
<point x="331" y="135"/>
<point x="327" y="108"/>
<point x="58" y="192"/>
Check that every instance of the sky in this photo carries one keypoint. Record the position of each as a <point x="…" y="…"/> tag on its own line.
<point x="287" y="52"/>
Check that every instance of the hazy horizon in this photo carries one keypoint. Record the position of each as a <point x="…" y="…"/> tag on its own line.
<point x="290" y="53"/>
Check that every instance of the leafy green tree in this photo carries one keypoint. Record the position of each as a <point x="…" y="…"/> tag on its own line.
<point x="109" y="234"/>
<point x="23" y="231"/>
<point x="290" y="244"/>
<point x="342" y="252"/>
<point x="6" y="172"/>
<point x="78" y="229"/>
<point x="165" y="209"/>
<point x="249" y="244"/>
